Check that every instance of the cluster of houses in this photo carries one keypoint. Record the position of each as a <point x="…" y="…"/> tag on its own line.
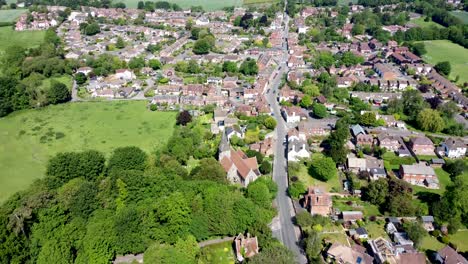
<point x="38" y="20"/>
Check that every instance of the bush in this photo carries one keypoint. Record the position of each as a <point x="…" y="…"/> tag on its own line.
<point x="128" y="158"/>
<point x="295" y="189"/>
<point x="436" y="233"/>
<point x="153" y="107"/>
<point x="445" y="239"/>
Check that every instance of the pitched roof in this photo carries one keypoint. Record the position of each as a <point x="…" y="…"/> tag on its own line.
<point x="450" y="256"/>
<point x="348" y="255"/>
<point x="412" y="258"/>
<point x="421" y="141"/>
<point x="418" y="169"/>
<point x="242" y="163"/>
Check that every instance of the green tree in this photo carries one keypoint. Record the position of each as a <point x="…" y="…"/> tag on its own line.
<point x="80" y="78"/>
<point x="430" y="120"/>
<point x="367" y="119"/>
<point x="78" y="197"/>
<point x="415" y="231"/>
<point x="313" y="246"/>
<point x="58" y="93"/>
<point x="69" y="165"/>
<point x="230" y="67"/>
<point x="128" y="158"/>
<point x="413" y="103"/>
<point x="270" y="122"/>
<point x="319" y="110"/>
<point x="306" y="101"/>
<point x="249" y="67"/>
<point x="259" y="194"/>
<point x="92" y="29"/>
<point x="141" y="5"/>
<point x="376" y="192"/>
<point x="443" y="68"/>
<point x="296" y="189"/>
<point x="322" y="168"/>
<point x="448" y="110"/>
<point x="136" y="63"/>
<point x="275" y="254"/>
<point x="209" y="169"/>
<point x="304" y="219"/>
<point x="201" y="46"/>
<point x="120" y="43"/>
<point x="265" y="167"/>
<point x="154" y="64"/>
<point x="183" y="118"/>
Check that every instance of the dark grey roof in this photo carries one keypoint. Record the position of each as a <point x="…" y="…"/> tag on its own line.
<point x="224" y="144"/>
<point x="361" y="231"/>
<point x="378" y="171"/>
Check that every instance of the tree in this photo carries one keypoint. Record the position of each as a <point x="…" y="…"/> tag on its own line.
<point x="304" y="219"/>
<point x="249" y="67"/>
<point x="367" y="119"/>
<point x="415" y="231"/>
<point x="322" y="168"/>
<point x="154" y="64"/>
<point x="69" y="165"/>
<point x="275" y="254"/>
<point x="120" y="43"/>
<point x="448" y="110"/>
<point x="183" y="118"/>
<point x="78" y="196"/>
<point x="306" y="101"/>
<point x="259" y="193"/>
<point x="265" y="167"/>
<point x="269" y="123"/>
<point x="319" y="110"/>
<point x="128" y="158"/>
<point x="92" y="29"/>
<point x="209" y="169"/>
<point x="412" y="103"/>
<point x="430" y="120"/>
<point x="419" y="48"/>
<point x="58" y="93"/>
<point x="443" y="68"/>
<point x="296" y="189"/>
<point x="141" y="5"/>
<point x="313" y="246"/>
<point x="136" y="63"/>
<point x="230" y="67"/>
<point x="376" y="192"/>
<point x="80" y="78"/>
<point x="201" y="46"/>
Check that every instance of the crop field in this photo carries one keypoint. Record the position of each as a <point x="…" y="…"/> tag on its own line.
<point x="444" y="50"/>
<point x="26" y="39"/>
<point x="11" y="15"/>
<point x="29" y="138"/>
<point x="208" y="5"/>
<point x="463" y="15"/>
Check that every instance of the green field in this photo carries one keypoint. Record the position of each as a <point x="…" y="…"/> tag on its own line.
<point x="346" y="2"/>
<point x="420" y="22"/>
<point x="221" y="253"/>
<point x="461" y="15"/>
<point x="29" y="138"/>
<point x="26" y="39"/>
<point x="333" y="185"/>
<point x="208" y="5"/>
<point x="444" y="50"/>
<point x="256" y="2"/>
<point x="65" y="79"/>
<point x="461" y="240"/>
<point x="11" y="15"/>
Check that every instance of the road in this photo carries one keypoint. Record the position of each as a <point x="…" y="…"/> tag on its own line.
<point x="283" y="227"/>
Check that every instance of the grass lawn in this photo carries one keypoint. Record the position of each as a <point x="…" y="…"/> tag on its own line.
<point x="65" y="79"/>
<point x="444" y="180"/>
<point x="420" y="22"/>
<point x="336" y="237"/>
<point x="393" y="162"/>
<point x="444" y="50"/>
<point x="304" y="177"/>
<point x="463" y="15"/>
<point x="26" y="39"/>
<point x="11" y="15"/>
<point x="221" y="253"/>
<point x="253" y="2"/>
<point x="358" y="205"/>
<point x="461" y="240"/>
<point x="376" y="230"/>
<point x="346" y="2"/>
<point x="431" y="243"/>
<point x="206" y="4"/>
<point x="29" y="138"/>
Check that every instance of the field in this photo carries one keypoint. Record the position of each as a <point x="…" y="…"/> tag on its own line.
<point x="461" y="15"/>
<point x="10" y="15"/>
<point x="460" y="239"/>
<point x="255" y="2"/>
<point x="333" y="185"/>
<point x="65" y="79"/>
<point x="26" y="39"/>
<point x="208" y="5"/>
<point x="346" y="2"/>
<point x="444" y="50"/>
<point x="420" y="22"/>
<point x="29" y="138"/>
<point x="221" y="253"/>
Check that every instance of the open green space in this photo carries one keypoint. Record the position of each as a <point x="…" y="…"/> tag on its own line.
<point x="420" y="22"/>
<point x="336" y="238"/>
<point x="65" y="79"/>
<point x="461" y="240"/>
<point x="255" y="2"/>
<point x="25" y="39"/>
<point x="376" y="229"/>
<point x="462" y="15"/>
<point x="355" y="204"/>
<point x="444" y="181"/>
<point x="347" y="2"/>
<point x="333" y="185"/>
<point x="392" y="162"/>
<point x="221" y="253"/>
<point x="444" y="50"/>
<point x="10" y="15"/>
<point x="431" y="243"/>
<point x="208" y="5"/>
<point x="29" y="138"/>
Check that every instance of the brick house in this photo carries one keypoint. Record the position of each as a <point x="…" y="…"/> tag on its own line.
<point x="422" y="146"/>
<point x="317" y="201"/>
<point x="419" y="174"/>
<point x="364" y="139"/>
<point x="388" y="142"/>
<point x="245" y="247"/>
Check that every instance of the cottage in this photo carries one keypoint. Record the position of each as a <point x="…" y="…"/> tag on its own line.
<point x="422" y="146"/>
<point x="364" y="140"/>
<point x="419" y="174"/>
<point x="344" y="254"/>
<point x="356" y="164"/>
<point x="292" y="114"/>
<point x="401" y="238"/>
<point x="317" y="201"/>
<point x="357" y="129"/>
<point x="298" y="149"/>
<point x="266" y="147"/>
<point x="246" y="247"/>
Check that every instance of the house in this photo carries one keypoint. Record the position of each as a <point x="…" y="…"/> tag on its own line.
<point x="219" y="115"/>
<point x="377" y="173"/>
<point x="411" y="258"/>
<point x="382" y="250"/>
<point x="422" y="146"/>
<point x="356" y="164"/>
<point x="266" y="147"/>
<point x="292" y="114"/>
<point x="364" y="139"/>
<point x="448" y="255"/>
<point x="84" y="70"/>
<point x="357" y="129"/>
<point x="298" y="149"/>
<point x="401" y="238"/>
<point x="316" y="127"/>
<point x="234" y="131"/>
<point x="317" y="201"/>
<point x="343" y="254"/>
<point x="246" y="247"/>
<point x="389" y="142"/>
<point x="454" y="148"/>
<point x="239" y="168"/>
<point x="419" y="174"/>
<point x="351" y="216"/>
<point x="361" y="232"/>
<point x="124" y="74"/>
<point x="428" y="222"/>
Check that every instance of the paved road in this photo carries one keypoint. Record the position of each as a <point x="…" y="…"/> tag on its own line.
<point x="283" y="228"/>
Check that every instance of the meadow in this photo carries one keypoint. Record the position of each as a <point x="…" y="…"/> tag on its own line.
<point x="29" y="138"/>
<point x="444" y="50"/>
<point x="26" y="39"/>
<point x="463" y="15"/>
<point x="257" y="2"/>
<point x="208" y="5"/>
<point x="11" y="15"/>
<point x="420" y="22"/>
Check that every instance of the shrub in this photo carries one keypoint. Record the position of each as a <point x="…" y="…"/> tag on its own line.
<point x="153" y="107"/>
<point x="445" y="239"/>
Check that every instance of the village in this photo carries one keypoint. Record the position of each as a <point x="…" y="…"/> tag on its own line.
<point x="130" y="54"/>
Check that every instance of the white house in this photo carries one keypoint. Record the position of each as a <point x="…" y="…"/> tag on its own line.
<point x="124" y="74"/>
<point x="454" y="148"/>
<point x="84" y="70"/>
<point x="297" y="149"/>
<point x="292" y="114"/>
